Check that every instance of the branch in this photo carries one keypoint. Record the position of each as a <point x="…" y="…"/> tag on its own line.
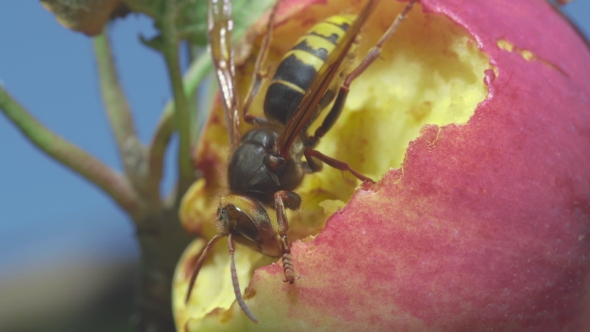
<point x="181" y="118"/>
<point x="78" y="160"/>
<point x="196" y="73"/>
<point x="131" y="151"/>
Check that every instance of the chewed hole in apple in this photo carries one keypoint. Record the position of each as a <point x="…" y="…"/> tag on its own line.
<point x="431" y="72"/>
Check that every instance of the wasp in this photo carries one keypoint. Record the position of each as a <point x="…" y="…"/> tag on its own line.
<point x="269" y="162"/>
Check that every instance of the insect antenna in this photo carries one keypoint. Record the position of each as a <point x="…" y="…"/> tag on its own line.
<point x="200" y="263"/>
<point x="236" y="283"/>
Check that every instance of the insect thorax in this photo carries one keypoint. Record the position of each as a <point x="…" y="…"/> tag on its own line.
<point x="250" y="172"/>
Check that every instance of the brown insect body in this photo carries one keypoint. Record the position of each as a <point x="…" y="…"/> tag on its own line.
<point x="256" y="170"/>
<point x="267" y="162"/>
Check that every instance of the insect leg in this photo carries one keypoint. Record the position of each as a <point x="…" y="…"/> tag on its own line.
<point x="331" y="117"/>
<point x="367" y="61"/>
<point x="259" y="73"/>
<point x="311" y="153"/>
<point x="292" y="200"/>
<point x="236" y="283"/>
<point x="200" y="262"/>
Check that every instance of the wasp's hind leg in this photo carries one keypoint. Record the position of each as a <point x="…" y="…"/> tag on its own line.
<point x="291" y="200"/>
<point x="310" y="154"/>
<point x="338" y="106"/>
<point x="260" y="74"/>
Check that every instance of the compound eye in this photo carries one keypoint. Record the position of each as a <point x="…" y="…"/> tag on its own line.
<point x="241" y="223"/>
<point x="247" y="220"/>
<point x="221" y="213"/>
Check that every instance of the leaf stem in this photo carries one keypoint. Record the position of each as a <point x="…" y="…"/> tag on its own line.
<point x="181" y="110"/>
<point x="131" y="151"/>
<point x="198" y="70"/>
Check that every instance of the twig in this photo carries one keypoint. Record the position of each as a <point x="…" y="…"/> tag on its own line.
<point x="71" y="156"/>
<point x="117" y="107"/>
<point x="181" y="110"/>
<point x="199" y="69"/>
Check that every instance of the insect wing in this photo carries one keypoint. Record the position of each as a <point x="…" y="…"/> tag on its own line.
<point x="220" y="25"/>
<point x="321" y="82"/>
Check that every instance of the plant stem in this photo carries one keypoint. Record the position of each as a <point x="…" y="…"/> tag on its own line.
<point x="78" y="160"/>
<point x="114" y="99"/>
<point x="131" y="151"/>
<point x="160" y="249"/>
<point x="170" y="50"/>
<point x="199" y="69"/>
<point x="181" y="119"/>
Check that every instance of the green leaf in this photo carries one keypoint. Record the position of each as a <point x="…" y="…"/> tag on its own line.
<point x="156" y="43"/>
<point x="190" y="16"/>
<point x="248" y="12"/>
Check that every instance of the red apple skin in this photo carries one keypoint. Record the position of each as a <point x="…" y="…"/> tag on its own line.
<point x="486" y="228"/>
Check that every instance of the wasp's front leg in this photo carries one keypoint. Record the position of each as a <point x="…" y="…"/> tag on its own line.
<point x="292" y="201"/>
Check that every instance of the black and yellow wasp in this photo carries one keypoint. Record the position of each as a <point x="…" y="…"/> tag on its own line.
<point x="267" y="162"/>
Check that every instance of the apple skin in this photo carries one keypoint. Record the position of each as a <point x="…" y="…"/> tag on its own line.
<point x="485" y="227"/>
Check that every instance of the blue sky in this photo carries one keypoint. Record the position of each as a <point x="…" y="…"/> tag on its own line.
<point x="52" y="72"/>
<point x="47" y="211"/>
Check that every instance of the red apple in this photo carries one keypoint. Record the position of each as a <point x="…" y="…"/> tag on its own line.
<point x="483" y="109"/>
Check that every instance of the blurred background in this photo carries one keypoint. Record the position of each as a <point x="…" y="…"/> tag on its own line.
<point x="67" y="254"/>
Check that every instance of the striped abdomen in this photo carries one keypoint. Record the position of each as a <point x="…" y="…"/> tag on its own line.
<point x="300" y="65"/>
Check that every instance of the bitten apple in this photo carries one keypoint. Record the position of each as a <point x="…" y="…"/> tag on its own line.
<point x="477" y="122"/>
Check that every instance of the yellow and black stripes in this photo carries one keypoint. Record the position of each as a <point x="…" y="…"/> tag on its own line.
<point x="300" y="65"/>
